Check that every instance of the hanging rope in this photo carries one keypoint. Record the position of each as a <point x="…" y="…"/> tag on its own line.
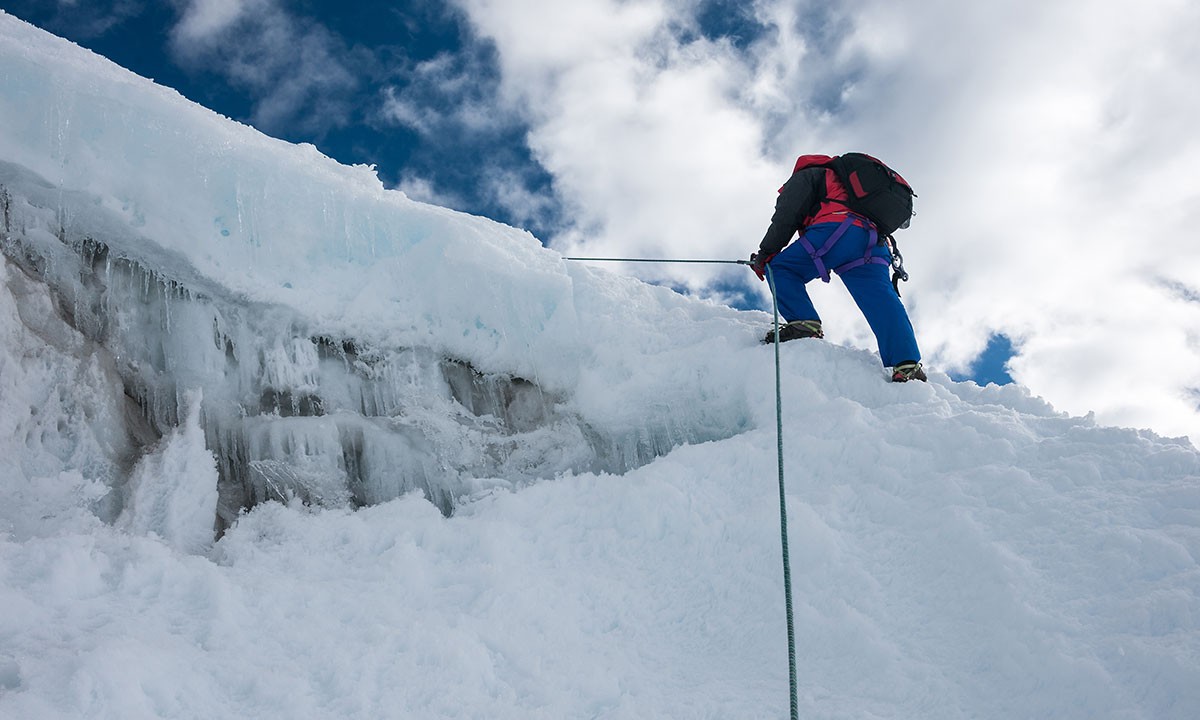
<point x="646" y="260"/>
<point x="783" y="533"/>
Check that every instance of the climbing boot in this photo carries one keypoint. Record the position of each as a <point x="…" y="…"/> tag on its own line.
<point x="796" y="329"/>
<point x="909" y="370"/>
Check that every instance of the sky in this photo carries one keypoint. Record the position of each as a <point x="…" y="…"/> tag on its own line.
<point x="1050" y="145"/>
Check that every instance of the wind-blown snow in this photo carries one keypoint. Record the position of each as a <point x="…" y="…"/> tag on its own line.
<point x="195" y="319"/>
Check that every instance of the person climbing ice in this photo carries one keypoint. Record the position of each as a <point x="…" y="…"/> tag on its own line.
<point x="845" y="209"/>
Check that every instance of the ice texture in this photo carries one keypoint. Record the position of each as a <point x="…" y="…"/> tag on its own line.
<point x="350" y="345"/>
<point x="296" y="407"/>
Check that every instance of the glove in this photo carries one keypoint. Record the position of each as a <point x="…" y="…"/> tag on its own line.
<point x="759" y="265"/>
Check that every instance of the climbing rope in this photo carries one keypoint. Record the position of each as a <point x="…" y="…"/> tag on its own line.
<point x="783" y="533"/>
<point x="647" y="260"/>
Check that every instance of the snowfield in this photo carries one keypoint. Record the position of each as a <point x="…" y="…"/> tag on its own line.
<point x="276" y="442"/>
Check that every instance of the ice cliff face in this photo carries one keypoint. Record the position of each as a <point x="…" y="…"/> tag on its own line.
<point x="346" y="345"/>
<point x="289" y="409"/>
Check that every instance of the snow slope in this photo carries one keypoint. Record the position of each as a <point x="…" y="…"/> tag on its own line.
<point x="178" y="293"/>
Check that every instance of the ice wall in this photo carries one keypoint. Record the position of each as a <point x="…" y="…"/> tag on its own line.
<point x="275" y="222"/>
<point x="289" y="410"/>
<point x="350" y="345"/>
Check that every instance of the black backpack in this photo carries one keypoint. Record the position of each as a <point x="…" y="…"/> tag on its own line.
<point x="875" y="191"/>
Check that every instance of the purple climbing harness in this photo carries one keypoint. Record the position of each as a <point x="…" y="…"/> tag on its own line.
<point x="845" y="225"/>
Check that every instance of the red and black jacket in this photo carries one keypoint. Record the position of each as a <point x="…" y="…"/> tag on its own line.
<point x="812" y="195"/>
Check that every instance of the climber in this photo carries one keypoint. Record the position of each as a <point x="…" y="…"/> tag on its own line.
<point x="834" y="237"/>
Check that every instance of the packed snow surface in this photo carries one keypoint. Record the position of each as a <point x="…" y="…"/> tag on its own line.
<point x="276" y="442"/>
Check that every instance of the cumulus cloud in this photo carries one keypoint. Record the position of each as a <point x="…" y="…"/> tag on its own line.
<point x="1050" y="143"/>
<point x="1055" y="193"/>
<point x="422" y="189"/>
<point x="638" y="127"/>
<point x="301" y="77"/>
<point x="451" y="93"/>
<point x="205" y="20"/>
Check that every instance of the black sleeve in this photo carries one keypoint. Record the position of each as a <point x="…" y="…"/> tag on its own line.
<point x="797" y="201"/>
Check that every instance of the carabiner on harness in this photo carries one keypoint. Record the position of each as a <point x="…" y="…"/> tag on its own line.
<point x="898" y="271"/>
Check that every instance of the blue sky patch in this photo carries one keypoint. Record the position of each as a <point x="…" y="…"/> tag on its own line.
<point x="991" y="365"/>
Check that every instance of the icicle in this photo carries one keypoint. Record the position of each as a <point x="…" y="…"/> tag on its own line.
<point x="165" y="289"/>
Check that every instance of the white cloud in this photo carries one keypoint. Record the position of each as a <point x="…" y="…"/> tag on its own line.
<point x="638" y="129"/>
<point x="1051" y="144"/>
<point x="206" y="19"/>
<point x="401" y="110"/>
<point x="298" y="73"/>
<point x="510" y="190"/>
<point x="450" y="92"/>
<point x="422" y="189"/>
<point x="1055" y="194"/>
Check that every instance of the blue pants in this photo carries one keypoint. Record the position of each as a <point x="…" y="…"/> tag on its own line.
<point x="868" y="284"/>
